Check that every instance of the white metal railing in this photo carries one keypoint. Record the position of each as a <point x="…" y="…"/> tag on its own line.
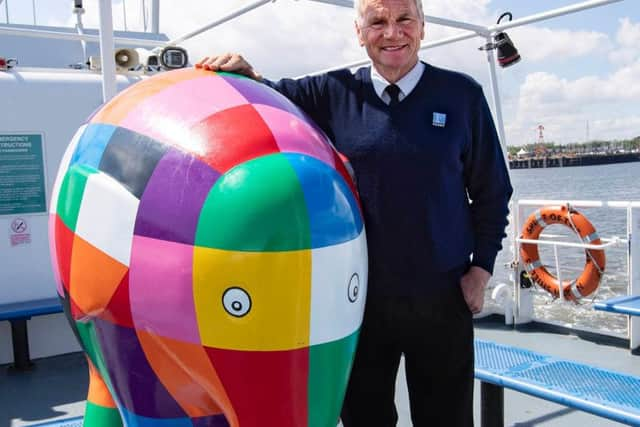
<point x="523" y="298"/>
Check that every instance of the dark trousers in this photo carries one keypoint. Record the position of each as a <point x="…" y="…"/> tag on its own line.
<point x="434" y="332"/>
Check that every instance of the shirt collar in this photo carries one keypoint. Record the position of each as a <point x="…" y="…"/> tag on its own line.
<point x="406" y="83"/>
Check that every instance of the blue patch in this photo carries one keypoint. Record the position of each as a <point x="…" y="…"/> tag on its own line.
<point x="439" y="119"/>
<point x="334" y="215"/>
<point x="92" y="144"/>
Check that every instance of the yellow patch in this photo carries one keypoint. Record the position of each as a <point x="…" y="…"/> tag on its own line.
<point x="255" y="301"/>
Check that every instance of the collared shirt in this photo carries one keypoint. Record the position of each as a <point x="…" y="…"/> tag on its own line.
<point x="406" y="84"/>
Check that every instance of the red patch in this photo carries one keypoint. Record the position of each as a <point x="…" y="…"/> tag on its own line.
<point x="234" y="136"/>
<point x="265" y="385"/>
<point x="76" y="313"/>
<point x="63" y="246"/>
<point x="118" y="310"/>
<point x="339" y="160"/>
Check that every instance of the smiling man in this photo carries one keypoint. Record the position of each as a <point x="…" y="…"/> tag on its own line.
<point x="434" y="190"/>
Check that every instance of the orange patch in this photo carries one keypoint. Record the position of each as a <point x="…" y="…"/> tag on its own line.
<point x="186" y="372"/>
<point x="98" y="391"/>
<point x="119" y="107"/>
<point x="95" y="276"/>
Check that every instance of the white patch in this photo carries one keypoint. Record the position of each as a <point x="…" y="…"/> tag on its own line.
<point x="338" y="290"/>
<point x="107" y="216"/>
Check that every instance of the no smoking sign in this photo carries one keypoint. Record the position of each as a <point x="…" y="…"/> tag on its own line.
<point x="19" y="232"/>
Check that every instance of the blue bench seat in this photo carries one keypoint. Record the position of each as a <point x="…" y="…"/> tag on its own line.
<point x="624" y="305"/>
<point x="17" y="314"/>
<point x="602" y="392"/>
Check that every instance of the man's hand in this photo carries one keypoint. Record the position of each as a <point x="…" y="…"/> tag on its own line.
<point x="473" y="284"/>
<point x="231" y="62"/>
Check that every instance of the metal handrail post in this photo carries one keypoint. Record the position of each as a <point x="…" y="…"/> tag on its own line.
<point x="107" y="51"/>
<point x="633" y="266"/>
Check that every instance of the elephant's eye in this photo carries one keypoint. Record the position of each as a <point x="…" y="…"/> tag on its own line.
<point x="236" y="301"/>
<point x="354" y="288"/>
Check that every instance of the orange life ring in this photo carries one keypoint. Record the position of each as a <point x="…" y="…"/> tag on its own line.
<point x="593" y="270"/>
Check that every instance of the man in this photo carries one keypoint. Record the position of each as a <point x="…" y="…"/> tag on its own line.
<point x="434" y="190"/>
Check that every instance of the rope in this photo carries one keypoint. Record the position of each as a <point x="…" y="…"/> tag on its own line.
<point x="588" y="251"/>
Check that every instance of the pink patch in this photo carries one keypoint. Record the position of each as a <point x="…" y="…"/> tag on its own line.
<point x="295" y="136"/>
<point x="168" y="115"/>
<point x="161" y="289"/>
<point x="54" y="255"/>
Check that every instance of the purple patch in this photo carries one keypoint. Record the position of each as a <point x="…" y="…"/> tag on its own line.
<point x="211" y="421"/>
<point x="171" y="203"/>
<point x="136" y="385"/>
<point x="258" y="93"/>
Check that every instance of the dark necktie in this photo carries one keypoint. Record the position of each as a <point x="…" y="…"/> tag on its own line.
<point x="394" y="94"/>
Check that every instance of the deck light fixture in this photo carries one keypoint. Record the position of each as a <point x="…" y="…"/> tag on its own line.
<point x="173" y="57"/>
<point x="507" y="52"/>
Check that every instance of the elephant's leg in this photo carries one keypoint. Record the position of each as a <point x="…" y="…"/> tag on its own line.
<point x="101" y="410"/>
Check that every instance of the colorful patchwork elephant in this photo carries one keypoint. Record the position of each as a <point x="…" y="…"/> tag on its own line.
<point x="210" y="253"/>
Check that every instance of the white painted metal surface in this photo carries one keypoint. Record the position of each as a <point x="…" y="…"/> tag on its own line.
<point x="52" y="103"/>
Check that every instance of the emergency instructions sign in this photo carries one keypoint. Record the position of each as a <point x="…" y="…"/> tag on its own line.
<point x="22" y="186"/>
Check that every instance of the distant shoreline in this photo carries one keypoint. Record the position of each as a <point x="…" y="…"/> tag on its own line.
<point x="575" y="160"/>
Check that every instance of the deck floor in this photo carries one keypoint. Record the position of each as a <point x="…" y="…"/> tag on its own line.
<point x="56" y="387"/>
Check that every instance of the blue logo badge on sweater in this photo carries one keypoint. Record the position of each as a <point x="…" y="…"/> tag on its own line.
<point x="439" y="119"/>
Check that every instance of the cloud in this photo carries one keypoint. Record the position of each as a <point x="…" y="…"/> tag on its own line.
<point x="628" y="38"/>
<point x="542" y="44"/>
<point x="565" y="105"/>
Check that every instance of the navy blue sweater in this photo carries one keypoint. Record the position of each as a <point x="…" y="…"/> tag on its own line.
<point x="433" y="193"/>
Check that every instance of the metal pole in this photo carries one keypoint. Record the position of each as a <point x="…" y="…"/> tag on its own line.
<point x="222" y="20"/>
<point x="478" y="29"/>
<point x="78" y="10"/>
<point x="497" y="105"/>
<point x="551" y="14"/>
<point x="124" y="14"/>
<point x="33" y="8"/>
<point x="107" y="51"/>
<point x="6" y="10"/>
<point x="72" y="36"/>
<point x="155" y="16"/>
<point x="492" y="405"/>
<point x="342" y="3"/>
<point x="633" y="236"/>
<point x="20" y="338"/>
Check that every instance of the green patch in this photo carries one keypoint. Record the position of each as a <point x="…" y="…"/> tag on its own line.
<point x="100" y="416"/>
<point x="329" y="369"/>
<point x="71" y="192"/>
<point x="256" y="206"/>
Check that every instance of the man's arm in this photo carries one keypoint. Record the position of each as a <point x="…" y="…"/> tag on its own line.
<point x="308" y="93"/>
<point x="489" y="188"/>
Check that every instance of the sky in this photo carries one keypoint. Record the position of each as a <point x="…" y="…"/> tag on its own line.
<point x="579" y="76"/>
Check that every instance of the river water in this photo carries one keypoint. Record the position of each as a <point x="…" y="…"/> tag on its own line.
<point x="616" y="182"/>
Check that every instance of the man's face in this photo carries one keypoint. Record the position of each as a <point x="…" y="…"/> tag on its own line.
<point x="391" y="31"/>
